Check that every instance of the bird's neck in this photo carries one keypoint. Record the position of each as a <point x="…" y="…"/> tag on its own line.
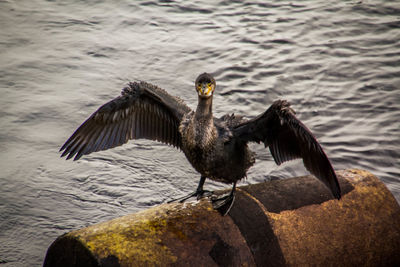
<point x="204" y="108"/>
<point x="204" y="131"/>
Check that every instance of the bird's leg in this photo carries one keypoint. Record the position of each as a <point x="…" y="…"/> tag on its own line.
<point x="224" y="204"/>
<point x="198" y="193"/>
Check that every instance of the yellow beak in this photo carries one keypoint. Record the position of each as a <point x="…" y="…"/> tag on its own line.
<point x="205" y="90"/>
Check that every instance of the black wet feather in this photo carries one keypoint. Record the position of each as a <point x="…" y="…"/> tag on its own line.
<point x="130" y="116"/>
<point x="288" y="139"/>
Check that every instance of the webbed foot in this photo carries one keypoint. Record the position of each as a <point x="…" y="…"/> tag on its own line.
<point x="197" y="194"/>
<point x="223" y="204"/>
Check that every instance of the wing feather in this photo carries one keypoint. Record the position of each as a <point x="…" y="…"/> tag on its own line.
<point x="141" y="111"/>
<point x="288" y="138"/>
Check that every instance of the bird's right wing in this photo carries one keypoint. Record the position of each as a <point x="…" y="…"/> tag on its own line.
<point x="141" y="111"/>
<point x="288" y="138"/>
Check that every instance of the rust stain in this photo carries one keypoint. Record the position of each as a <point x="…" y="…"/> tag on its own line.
<point x="311" y="234"/>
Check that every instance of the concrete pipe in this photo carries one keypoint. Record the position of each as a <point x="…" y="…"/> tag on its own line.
<point x="288" y="222"/>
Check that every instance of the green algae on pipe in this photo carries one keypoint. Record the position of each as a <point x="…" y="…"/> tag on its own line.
<point x="286" y="222"/>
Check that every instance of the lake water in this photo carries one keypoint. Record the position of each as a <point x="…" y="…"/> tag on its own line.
<point x="337" y="62"/>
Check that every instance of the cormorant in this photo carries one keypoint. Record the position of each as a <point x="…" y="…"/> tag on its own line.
<point x="216" y="147"/>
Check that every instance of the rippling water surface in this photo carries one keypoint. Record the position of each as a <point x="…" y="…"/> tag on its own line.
<point x="337" y="62"/>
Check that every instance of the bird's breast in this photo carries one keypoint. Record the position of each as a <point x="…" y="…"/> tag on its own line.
<point x="212" y="152"/>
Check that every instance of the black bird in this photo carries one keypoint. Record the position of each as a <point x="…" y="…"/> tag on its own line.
<point x="216" y="147"/>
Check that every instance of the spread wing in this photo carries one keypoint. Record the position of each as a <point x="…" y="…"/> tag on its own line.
<point x="141" y="111"/>
<point x="288" y="138"/>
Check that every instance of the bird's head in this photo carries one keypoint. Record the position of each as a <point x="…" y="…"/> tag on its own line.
<point x="205" y="85"/>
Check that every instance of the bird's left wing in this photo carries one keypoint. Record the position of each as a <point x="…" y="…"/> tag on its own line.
<point x="288" y="138"/>
<point x="141" y="111"/>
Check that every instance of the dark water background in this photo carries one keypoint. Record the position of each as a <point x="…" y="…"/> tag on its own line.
<point x="337" y="62"/>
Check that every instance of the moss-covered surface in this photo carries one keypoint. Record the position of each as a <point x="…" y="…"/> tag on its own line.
<point x="130" y="238"/>
<point x="172" y="234"/>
